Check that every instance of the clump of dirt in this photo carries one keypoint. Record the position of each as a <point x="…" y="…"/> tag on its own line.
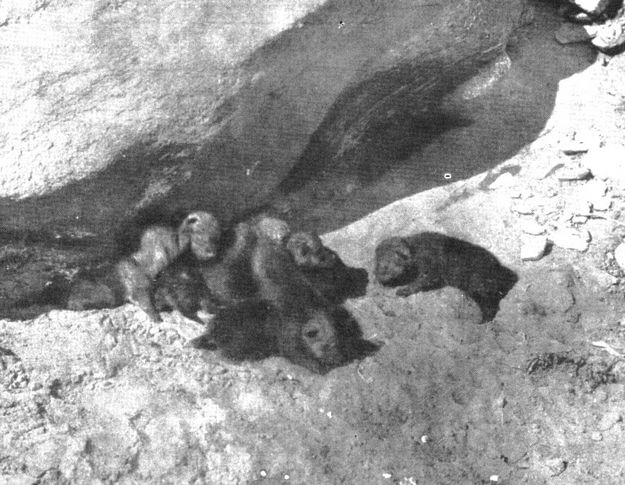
<point x="588" y="375"/>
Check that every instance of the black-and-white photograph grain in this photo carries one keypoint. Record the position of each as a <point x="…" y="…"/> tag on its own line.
<point x="312" y="242"/>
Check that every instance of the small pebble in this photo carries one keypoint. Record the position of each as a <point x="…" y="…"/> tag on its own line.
<point x="603" y="204"/>
<point x="263" y="473"/>
<point x="573" y="173"/>
<point x="504" y="181"/>
<point x="609" y="419"/>
<point x="387" y="475"/>
<point x="596" y="436"/>
<point x="545" y="171"/>
<point x="493" y="478"/>
<point x="530" y="226"/>
<point x="580" y="207"/>
<point x="603" y="279"/>
<point x="619" y="256"/>
<point x="550" y="192"/>
<point x="593" y="189"/>
<point x="425" y="438"/>
<point x="521" y="208"/>
<point x="607" y="162"/>
<point x="556" y="466"/>
<point x="109" y="341"/>
<point x="611" y="33"/>
<point x="580" y="141"/>
<point x="569" y="238"/>
<point x="574" y="147"/>
<point x="533" y="247"/>
<point x="600" y="395"/>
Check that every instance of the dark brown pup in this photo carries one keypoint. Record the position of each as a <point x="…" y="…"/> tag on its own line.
<point x="287" y="316"/>
<point x="429" y="260"/>
<point x="254" y="330"/>
<point x="325" y="270"/>
<point x="189" y="286"/>
<point x="307" y="327"/>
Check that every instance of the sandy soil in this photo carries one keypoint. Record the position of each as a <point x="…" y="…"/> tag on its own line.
<point x="536" y="396"/>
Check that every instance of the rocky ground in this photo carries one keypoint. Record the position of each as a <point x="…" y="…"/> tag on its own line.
<point x="535" y="396"/>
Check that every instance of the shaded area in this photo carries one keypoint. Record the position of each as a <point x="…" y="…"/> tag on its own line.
<point x="352" y="343"/>
<point x="398" y="139"/>
<point x="428" y="142"/>
<point x="409" y="117"/>
<point x="79" y="286"/>
<point x="430" y="261"/>
<point x="95" y="212"/>
<point x="338" y="283"/>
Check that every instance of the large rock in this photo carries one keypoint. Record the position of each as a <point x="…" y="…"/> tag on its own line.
<point x="114" y="106"/>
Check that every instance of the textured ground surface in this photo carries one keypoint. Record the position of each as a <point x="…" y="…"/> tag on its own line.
<point x="535" y="397"/>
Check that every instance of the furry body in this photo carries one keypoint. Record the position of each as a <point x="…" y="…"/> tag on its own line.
<point x="429" y="260"/>
<point x="132" y="278"/>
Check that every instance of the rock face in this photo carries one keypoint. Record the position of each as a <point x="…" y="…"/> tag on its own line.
<point x="115" y="106"/>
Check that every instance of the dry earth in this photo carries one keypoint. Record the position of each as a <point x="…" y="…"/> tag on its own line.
<point x="536" y="396"/>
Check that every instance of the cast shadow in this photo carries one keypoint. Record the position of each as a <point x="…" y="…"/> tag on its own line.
<point x="435" y="137"/>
